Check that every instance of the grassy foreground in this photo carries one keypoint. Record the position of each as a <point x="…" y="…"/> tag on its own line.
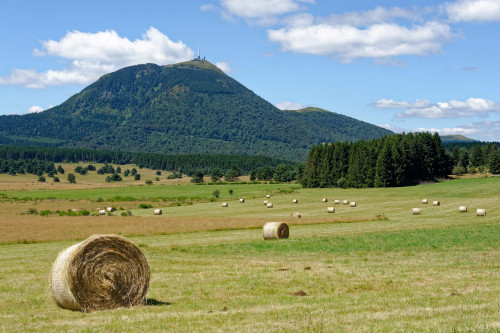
<point x="438" y="272"/>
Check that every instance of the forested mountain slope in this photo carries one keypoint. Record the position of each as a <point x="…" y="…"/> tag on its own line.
<point x="190" y="107"/>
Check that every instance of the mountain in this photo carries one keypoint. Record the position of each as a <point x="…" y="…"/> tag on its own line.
<point x="190" y="107"/>
<point x="456" y="138"/>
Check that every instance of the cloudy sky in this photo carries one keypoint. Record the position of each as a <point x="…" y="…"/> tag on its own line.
<point x="405" y="65"/>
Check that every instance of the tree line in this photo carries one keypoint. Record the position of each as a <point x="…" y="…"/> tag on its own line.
<point x="390" y="161"/>
<point x="180" y="163"/>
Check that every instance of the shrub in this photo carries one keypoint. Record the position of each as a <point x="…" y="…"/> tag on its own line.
<point x="145" y="206"/>
<point x="459" y="170"/>
<point x="137" y="177"/>
<point x="41" y="178"/>
<point x="216" y="193"/>
<point x="149" y="182"/>
<point x="231" y="191"/>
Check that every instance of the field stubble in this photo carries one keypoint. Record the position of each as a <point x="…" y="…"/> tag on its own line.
<point x="438" y="272"/>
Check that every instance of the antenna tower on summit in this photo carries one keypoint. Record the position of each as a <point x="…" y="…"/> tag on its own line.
<point x="199" y="57"/>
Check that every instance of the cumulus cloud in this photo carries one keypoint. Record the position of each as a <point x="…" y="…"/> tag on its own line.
<point x="377" y="15"/>
<point x="391" y="128"/>
<point x="487" y="130"/>
<point x="347" y="42"/>
<point x="224" y="66"/>
<point x="289" y="105"/>
<point x="35" y="109"/>
<point x="473" y="10"/>
<point x="472" y="107"/>
<point x="262" y="12"/>
<point x="94" y="54"/>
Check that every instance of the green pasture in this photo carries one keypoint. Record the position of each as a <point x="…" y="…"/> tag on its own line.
<point x="152" y="192"/>
<point x="437" y="272"/>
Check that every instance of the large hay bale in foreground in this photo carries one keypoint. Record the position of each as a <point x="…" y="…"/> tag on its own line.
<point x="462" y="208"/>
<point x="416" y="211"/>
<point x="481" y="212"/>
<point x="158" y="212"/>
<point x="275" y="230"/>
<point x="101" y="273"/>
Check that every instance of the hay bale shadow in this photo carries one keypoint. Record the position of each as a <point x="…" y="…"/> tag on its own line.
<point x="154" y="302"/>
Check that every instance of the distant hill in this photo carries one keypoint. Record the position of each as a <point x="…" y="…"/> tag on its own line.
<point x="190" y="107"/>
<point x="456" y="138"/>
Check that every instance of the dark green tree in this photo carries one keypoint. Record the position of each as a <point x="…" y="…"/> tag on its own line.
<point x="71" y="178"/>
<point x="197" y="176"/>
<point x="216" y="175"/>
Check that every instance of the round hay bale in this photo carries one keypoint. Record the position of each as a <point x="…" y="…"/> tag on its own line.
<point x="337" y="201"/>
<point x="345" y="202"/>
<point x="101" y="273"/>
<point x="110" y="209"/>
<point x="158" y="212"/>
<point x="295" y="215"/>
<point x="265" y="202"/>
<point x="269" y="205"/>
<point x="275" y="230"/>
<point x="268" y="196"/>
<point x="325" y="200"/>
<point x="242" y="200"/>
<point x="295" y="201"/>
<point x="102" y="212"/>
<point x="481" y="212"/>
<point x="224" y="205"/>
<point x="416" y="211"/>
<point x="425" y="201"/>
<point x="331" y="209"/>
<point x="462" y="208"/>
<point x="436" y="203"/>
<point x="352" y="204"/>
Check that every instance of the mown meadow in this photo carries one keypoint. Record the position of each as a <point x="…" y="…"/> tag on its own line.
<point x="372" y="268"/>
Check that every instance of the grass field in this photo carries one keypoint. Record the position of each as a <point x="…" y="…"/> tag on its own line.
<point x="351" y="271"/>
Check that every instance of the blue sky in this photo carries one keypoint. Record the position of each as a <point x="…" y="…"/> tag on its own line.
<point x="405" y="65"/>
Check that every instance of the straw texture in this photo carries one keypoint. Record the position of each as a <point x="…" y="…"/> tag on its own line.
<point x="275" y="230"/>
<point x="101" y="273"/>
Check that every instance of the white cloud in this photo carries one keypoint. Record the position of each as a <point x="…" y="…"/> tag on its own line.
<point x="94" y="54"/>
<point x="224" y="66"/>
<point x="472" y="107"/>
<point x="347" y="42"/>
<point x="391" y="128"/>
<point x="473" y="10"/>
<point x="35" y="109"/>
<point x="364" y="18"/>
<point x="263" y="12"/>
<point x="487" y="130"/>
<point x="289" y="105"/>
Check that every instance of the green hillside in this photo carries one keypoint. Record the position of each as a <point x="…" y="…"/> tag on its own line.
<point x="191" y="107"/>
